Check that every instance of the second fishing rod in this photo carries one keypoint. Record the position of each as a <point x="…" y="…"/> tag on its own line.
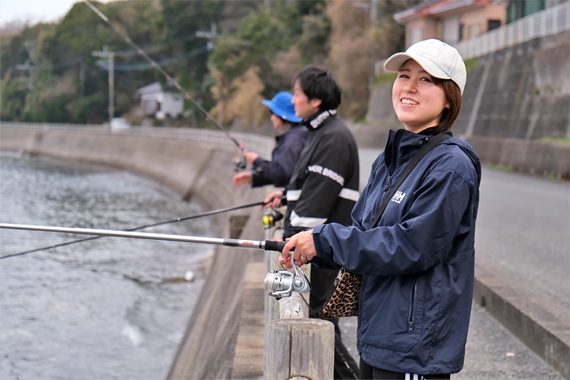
<point x="268" y="220"/>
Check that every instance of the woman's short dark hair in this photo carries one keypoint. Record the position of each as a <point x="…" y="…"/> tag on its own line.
<point x="320" y="84"/>
<point x="453" y="95"/>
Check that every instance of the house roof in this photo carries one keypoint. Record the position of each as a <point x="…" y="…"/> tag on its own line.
<point x="150" y="89"/>
<point x="436" y="7"/>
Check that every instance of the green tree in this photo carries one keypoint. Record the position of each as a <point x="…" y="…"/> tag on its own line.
<point x="274" y="39"/>
<point x="65" y="70"/>
<point x="182" y="21"/>
<point x="261" y="45"/>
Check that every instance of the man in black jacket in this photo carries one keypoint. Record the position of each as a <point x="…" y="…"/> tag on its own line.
<point x="324" y="184"/>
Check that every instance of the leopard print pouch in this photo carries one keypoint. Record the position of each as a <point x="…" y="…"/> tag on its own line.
<point x="344" y="301"/>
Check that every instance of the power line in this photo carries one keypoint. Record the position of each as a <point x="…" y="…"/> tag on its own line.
<point x="147" y="66"/>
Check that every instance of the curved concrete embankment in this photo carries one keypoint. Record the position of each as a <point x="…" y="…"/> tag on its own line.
<point x="195" y="164"/>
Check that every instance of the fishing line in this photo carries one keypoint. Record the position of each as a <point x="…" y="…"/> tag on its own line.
<point x="214" y="212"/>
<point x="171" y="80"/>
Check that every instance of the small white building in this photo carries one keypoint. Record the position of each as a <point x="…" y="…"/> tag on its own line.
<point x="160" y="104"/>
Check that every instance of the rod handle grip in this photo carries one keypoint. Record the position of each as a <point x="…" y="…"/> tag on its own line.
<point x="271" y="245"/>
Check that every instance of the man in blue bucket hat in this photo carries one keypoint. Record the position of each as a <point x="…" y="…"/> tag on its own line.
<point x="289" y="142"/>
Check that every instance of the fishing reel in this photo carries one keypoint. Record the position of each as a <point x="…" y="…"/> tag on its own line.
<point x="283" y="283"/>
<point x="239" y="163"/>
<point x="269" y="219"/>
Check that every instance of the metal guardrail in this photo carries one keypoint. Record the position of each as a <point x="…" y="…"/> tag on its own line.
<point x="544" y="23"/>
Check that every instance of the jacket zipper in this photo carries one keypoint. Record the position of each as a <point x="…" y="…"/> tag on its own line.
<point x="412" y="307"/>
<point x="387" y="184"/>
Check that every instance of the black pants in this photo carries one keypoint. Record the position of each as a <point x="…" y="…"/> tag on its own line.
<point x="367" y="372"/>
<point x="322" y="287"/>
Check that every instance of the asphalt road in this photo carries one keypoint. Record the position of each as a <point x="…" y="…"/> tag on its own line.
<point x="523" y="236"/>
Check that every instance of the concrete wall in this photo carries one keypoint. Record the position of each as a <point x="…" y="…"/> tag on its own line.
<point x="521" y="92"/>
<point x="193" y="163"/>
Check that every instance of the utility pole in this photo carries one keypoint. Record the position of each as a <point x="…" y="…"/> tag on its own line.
<point x="374" y="12"/>
<point x="105" y="53"/>
<point x="373" y="8"/>
<point x="81" y="76"/>
<point x="29" y="68"/>
<point x="210" y="35"/>
<point x="374" y="4"/>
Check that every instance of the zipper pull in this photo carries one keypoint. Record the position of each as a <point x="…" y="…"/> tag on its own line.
<point x="388" y="183"/>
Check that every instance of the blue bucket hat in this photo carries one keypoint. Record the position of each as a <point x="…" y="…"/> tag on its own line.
<point x="282" y="107"/>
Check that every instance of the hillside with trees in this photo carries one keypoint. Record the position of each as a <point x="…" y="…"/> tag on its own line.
<point x="58" y="72"/>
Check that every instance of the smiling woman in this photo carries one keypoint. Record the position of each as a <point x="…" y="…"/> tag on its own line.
<point x="418" y="255"/>
<point x="102" y="309"/>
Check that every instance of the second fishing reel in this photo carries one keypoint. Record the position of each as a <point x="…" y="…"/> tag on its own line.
<point x="270" y="218"/>
<point x="283" y="283"/>
<point x="239" y="163"/>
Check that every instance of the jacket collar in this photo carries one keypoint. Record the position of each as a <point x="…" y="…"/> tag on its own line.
<point x="319" y="119"/>
<point x="403" y="144"/>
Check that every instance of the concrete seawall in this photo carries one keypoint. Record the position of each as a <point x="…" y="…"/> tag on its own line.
<point x="195" y="164"/>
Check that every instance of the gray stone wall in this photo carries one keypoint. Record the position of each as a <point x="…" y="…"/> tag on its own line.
<point x="521" y="92"/>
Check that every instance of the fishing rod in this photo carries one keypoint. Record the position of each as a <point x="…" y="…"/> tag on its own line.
<point x="267" y="245"/>
<point x="238" y="163"/>
<point x="214" y="212"/>
<point x="279" y="283"/>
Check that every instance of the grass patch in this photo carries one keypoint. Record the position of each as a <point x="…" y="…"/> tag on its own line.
<point x="385" y="78"/>
<point x="501" y="167"/>
<point x="558" y="140"/>
<point x="471" y="64"/>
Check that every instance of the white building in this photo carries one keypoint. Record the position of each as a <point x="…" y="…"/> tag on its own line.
<point x="160" y="104"/>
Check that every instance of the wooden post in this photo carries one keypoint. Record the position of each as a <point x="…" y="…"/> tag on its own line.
<point x="293" y="307"/>
<point x="300" y="348"/>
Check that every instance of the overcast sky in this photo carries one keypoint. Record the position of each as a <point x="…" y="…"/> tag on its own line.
<point x="35" y="10"/>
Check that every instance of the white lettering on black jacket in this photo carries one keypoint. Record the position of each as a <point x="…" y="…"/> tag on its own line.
<point x="324" y="184"/>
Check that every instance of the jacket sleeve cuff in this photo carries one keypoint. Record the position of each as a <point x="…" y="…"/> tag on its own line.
<point x="324" y="258"/>
<point x="321" y="245"/>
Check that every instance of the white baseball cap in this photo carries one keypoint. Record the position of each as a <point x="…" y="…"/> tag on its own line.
<point x="436" y="57"/>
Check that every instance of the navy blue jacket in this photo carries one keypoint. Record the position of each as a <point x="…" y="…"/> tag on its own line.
<point x="418" y="263"/>
<point x="287" y="149"/>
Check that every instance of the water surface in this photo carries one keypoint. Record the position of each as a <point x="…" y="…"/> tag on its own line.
<point x="109" y="308"/>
